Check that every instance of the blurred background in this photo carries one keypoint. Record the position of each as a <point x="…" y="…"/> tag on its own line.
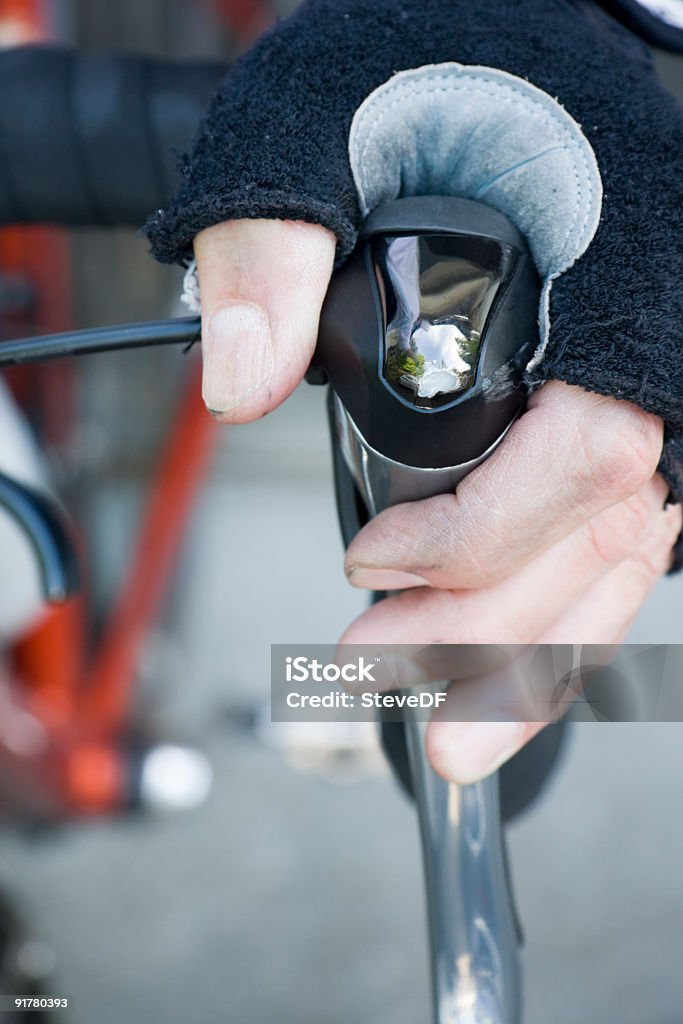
<point x="290" y="890"/>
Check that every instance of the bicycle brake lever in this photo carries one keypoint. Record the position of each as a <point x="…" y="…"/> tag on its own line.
<point x="424" y="337"/>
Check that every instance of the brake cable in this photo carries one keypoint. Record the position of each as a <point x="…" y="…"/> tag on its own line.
<point x="177" y="331"/>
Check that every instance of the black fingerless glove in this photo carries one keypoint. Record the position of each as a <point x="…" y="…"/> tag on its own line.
<point x="276" y="144"/>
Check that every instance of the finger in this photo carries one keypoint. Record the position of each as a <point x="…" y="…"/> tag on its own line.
<point x="467" y="751"/>
<point x="518" y="608"/>
<point x="608" y="608"/>
<point x="570" y="456"/>
<point x="262" y="286"/>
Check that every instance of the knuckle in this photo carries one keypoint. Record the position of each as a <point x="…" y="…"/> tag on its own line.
<point x="471" y="531"/>
<point x="310" y="251"/>
<point x="649" y="564"/>
<point x="437" y="541"/>
<point x="615" y="533"/>
<point x="471" y="632"/>
<point x="653" y="558"/>
<point x="427" y="540"/>
<point x="414" y="538"/>
<point x="619" y="449"/>
<point x="500" y="626"/>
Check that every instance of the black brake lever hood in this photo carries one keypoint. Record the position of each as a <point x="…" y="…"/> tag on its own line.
<point x="354" y="328"/>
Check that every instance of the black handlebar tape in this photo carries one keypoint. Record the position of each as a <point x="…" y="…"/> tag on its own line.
<point x="95" y="138"/>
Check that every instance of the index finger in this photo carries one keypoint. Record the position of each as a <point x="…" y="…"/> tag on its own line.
<point x="571" y="455"/>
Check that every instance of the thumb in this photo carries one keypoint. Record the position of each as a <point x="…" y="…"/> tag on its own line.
<point x="262" y="284"/>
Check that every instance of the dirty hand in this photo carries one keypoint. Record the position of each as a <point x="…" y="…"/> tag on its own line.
<point x="558" y="538"/>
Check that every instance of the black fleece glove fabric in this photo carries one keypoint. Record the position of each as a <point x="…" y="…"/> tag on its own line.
<point x="657" y="25"/>
<point x="274" y="144"/>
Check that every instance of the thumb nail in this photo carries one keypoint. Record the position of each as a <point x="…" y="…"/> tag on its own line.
<point x="238" y="355"/>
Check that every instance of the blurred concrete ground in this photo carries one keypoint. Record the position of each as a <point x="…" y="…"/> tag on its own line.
<point x="290" y="899"/>
<point x="287" y="898"/>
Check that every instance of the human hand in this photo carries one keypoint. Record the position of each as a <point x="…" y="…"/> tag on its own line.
<point x="561" y="533"/>
<point x="558" y="538"/>
<point x="349" y="103"/>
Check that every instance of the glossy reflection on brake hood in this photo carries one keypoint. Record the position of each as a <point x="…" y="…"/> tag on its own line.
<point x="444" y="366"/>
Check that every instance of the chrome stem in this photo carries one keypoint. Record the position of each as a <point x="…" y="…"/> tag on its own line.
<point x="474" y="945"/>
<point x="473" y="938"/>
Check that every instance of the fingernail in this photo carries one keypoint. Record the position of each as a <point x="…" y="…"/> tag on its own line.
<point x="383" y="579"/>
<point x="238" y="355"/>
<point x="469" y="751"/>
